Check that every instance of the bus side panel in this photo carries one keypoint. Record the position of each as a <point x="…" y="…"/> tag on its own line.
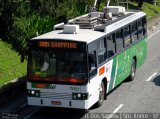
<point x="128" y="62"/>
<point x="145" y="50"/>
<point x="105" y="71"/>
<point x="141" y="52"/>
<point x="93" y="90"/>
<point x="121" y="67"/>
<point x="111" y="79"/>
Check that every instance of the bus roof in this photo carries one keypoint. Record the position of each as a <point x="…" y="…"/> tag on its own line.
<point x="84" y="35"/>
<point x="88" y="35"/>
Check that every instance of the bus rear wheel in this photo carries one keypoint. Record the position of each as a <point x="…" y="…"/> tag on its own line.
<point x="133" y="71"/>
<point x="101" y="95"/>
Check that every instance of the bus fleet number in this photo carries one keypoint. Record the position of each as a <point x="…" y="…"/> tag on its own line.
<point x="75" y="88"/>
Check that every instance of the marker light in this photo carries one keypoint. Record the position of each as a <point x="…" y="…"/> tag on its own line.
<point x="74" y="97"/>
<point x="79" y="96"/>
<point x="33" y="93"/>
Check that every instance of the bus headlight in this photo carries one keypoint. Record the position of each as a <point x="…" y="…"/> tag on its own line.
<point x="33" y="93"/>
<point x="79" y="96"/>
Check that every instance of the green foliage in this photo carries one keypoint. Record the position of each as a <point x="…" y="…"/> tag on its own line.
<point x="20" y="20"/>
<point x="29" y="27"/>
<point x="21" y="8"/>
<point x="6" y="20"/>
<point x="150" y="9"/>
<point x="10" y="66"/>
<point x="44" y="7"/>
<point x="23" y="19"/>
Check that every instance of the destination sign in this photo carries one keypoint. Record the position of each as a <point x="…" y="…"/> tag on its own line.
<point x="56" y="44"/>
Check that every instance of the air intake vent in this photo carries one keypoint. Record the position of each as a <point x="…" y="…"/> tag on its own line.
<point x="116" y="10"/>
<point x="71" y="29"/>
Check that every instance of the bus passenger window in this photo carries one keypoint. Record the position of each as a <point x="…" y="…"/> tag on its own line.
<point x="111" y="45"/>
<point x="127" y="36"/>
<point x="119" y="41"/>
<point x="134" y="31"/>
<point x="92" y="63"/>
<point x="102" y="55"/>
<point x="110" y="53"/>
<point x="140" y="29"/>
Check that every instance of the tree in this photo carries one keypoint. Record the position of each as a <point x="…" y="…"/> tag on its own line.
<point x="6" y="19"/>
<point x="140" y="4"/>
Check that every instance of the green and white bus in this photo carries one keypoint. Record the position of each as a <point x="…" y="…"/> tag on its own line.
<point x="78" y="63"/>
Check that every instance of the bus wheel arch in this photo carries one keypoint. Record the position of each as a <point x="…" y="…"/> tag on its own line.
<point x="133" y="69"/>
<point x="102" y="92"/>
<point x="135" y="59"/>
<point x="105" y="87"/>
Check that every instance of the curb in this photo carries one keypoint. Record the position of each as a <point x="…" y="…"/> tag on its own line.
<point x="12" y="89"/>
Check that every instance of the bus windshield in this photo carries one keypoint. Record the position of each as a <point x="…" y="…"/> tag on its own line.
<point x="57" y="66"/>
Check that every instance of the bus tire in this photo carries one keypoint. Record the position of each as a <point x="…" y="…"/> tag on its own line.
<point x="133" y="71"/>
<point x="101" y="95"/>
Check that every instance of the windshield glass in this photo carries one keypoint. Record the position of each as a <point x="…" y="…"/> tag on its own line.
<point x="59" y="66"/>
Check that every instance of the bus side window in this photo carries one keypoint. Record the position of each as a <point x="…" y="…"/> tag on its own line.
<point x="144" y="24"/>
<point x="111" y="45"/>
<point x="134" y="31"/>
<point x="119" y="41"/>
<point x="110" y="53"/>
<point x="92" y="63"/>
<point x="140" y="29"/>
<point x="127" y="36"/>
<point x="102" y="55"/>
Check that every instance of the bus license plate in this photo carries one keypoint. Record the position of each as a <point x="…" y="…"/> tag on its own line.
<point x="56" y="102"/>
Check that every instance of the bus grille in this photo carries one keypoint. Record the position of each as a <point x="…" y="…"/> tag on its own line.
<point x="56" y="95"/>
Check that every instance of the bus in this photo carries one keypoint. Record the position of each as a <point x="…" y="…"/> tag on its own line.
<point x="79" y="62"/>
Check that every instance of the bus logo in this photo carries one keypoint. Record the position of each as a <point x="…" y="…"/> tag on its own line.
<point x="107" y="69"/>
<point x="101" y="70"/>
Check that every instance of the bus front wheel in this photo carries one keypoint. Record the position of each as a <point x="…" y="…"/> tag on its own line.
<point x="133" y="71"/>
<point x="101" y="95"/>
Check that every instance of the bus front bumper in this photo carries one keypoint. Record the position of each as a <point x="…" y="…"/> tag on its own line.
<point x="79" y="104"/>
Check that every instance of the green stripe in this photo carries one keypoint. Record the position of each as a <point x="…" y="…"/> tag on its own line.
<point x="113" y="73"/>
